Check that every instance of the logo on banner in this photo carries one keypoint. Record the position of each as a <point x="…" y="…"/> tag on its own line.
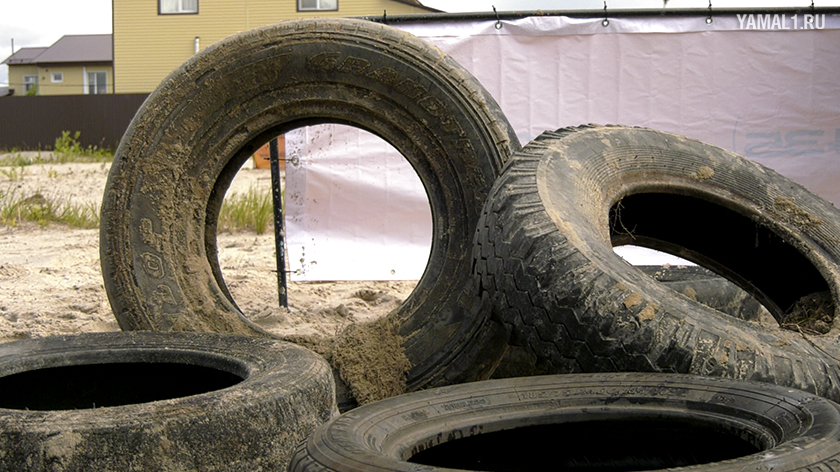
<point x="781" y="21"/>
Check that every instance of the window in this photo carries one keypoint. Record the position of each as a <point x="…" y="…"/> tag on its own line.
<point x="56" y="77"/>
<point x="96" y="83"/>
<point x="170" y="7"/>
<point x="315" y="5"/>
<point x="30" y="82"/>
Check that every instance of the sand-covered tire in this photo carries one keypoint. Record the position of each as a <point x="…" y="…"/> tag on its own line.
<point x="626" y="421"/>
<point x="158" y="401"/>
<point x="544" y="252"/>
<point x="179" y="154"/>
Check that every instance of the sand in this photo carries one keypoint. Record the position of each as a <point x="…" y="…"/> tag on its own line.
<point x="51" y="282"/>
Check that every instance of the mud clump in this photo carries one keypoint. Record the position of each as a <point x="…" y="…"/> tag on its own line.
<point x="370" y="358"/>
<point x="703" y="173"/>
<point x="813" y="313"/>
<point x="796" y="215"/>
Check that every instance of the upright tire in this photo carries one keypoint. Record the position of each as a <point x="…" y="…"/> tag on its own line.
<point x="158" y="401"/>
<point x="184" y="146"/>
<point x="603" y="422"/>
<point x="544" y="254"/>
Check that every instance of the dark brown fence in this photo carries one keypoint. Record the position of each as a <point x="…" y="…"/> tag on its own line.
<point x="33" y="123"/>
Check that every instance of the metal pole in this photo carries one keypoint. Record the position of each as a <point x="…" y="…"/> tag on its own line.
<point x="279" y="229"/>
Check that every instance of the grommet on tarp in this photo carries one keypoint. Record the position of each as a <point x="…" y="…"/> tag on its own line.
<point x="606" y="21"/>
<point x="498" y="20"/>
<point x="709" y="19"/>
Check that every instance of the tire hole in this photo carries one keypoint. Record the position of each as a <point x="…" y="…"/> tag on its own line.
<point x="334" y="232"/>
<point x="641" y="256"/>
<point x="103" y="385"/>
<point x="734" y="245"/>
<point x="623" y="445"/>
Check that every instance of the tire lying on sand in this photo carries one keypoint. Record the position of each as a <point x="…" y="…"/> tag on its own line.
<point x="544" y="252"/>
<point x="158" y="401"/>
<point x="625" y="421"/>
<point x="184" y="146"/>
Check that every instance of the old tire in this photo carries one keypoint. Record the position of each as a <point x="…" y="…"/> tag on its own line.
<point x="544" y="254"/>
<point x="158" y="401"/>
<point x="179" y="154"/>
<point x="694" y="282"/>
<point x="628" y="421"/>
<point x="708" y="288"/>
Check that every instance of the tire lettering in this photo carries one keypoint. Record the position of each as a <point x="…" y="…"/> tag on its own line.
<point x="354" y="65"/>
<point x="465" y="404"/>
<point x="327" y="61"/>
<point x="148" y="235"/>
<point x="163" y="294"/>
<point x="323" y="62"/>
<point x="153" y="265"/>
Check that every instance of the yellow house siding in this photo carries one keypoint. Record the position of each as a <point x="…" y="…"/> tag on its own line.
<point x="74" y="80"/>
<point x="16" y="74"/>
<point x="148" y="46"/>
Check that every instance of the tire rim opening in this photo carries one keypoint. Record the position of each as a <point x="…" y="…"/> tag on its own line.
<point x="732" y="245"/>
<point x="641" y="256"/>
<point x="343" y="226"/>
<point x="103" y="385"/>
<point x="595" y="445"/>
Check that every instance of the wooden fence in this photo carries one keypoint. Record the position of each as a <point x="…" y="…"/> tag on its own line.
<point x="33" y="123"/>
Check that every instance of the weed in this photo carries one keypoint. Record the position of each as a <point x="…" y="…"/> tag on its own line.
<point x="252" y="210"/>
<point x="67" y="148"/>
<point x="13" y="173"/>
<point x="16" y="160"/>
<point x="16" y="208"/>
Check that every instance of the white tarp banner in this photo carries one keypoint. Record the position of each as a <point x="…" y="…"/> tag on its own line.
<point x="355" y="208"/>
<point x="764" y="86"/>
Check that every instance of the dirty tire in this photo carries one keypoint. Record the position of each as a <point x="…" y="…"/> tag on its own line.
<point x="648" y="420"/>
<point x="694" y="282"/>
<point x="158" y="401"/>
<point x="545" y="258"/>
<point x="708" y="288"/>
<point x="184" y="146"/>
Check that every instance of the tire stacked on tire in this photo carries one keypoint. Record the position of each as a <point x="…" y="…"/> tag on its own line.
<point x="521" y="272"/>
<point x="544" y="254"/>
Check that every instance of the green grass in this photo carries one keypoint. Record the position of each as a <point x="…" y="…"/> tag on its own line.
<point x="17" y="208"/>
<point x="66" y="149"/>
<point x="67" y="146"/>
<point x="250" y="211"/>
<point x="14" y="174"/>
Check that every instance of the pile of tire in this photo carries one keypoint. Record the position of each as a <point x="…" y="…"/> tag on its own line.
<point x="522" y="282"/>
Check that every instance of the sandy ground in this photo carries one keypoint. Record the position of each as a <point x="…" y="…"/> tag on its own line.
<point x="50" y="280"/>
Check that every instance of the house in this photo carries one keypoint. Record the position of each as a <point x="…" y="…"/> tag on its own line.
<point x="73" y="65"/>
<point x="153" y="37"/>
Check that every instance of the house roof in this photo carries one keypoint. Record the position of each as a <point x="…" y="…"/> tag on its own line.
<point x="69" y="49"/>
<point x="24" y="56"/>
<point x="78" y="48"/>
